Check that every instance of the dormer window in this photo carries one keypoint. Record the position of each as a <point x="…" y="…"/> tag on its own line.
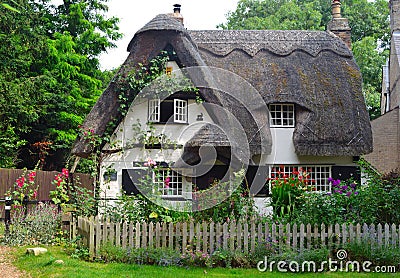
<point x="282" y="114"/>
<point x="168" y="71"/>
<point x="168" y="111"/>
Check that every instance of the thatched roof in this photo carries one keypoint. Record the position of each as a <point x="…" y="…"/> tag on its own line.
<point x="313" y="69"/>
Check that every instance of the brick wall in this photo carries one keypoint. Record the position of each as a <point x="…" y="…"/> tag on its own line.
<point x="340" y="27"/>
<point x="385" y="131"/>
<point x="394" y="15"/>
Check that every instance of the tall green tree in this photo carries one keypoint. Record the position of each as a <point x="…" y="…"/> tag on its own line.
<point x="369" y="21"/>
<point x="49" y="77"/>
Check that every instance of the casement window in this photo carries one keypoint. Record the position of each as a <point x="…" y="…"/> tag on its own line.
<point x="169" y="183"/>
<point x="180" y="111"/>
<point x="314" y="175"/>
<point x="282" y="115"/>
<point x="154" y="110"/>
<point x="168" y="111"/>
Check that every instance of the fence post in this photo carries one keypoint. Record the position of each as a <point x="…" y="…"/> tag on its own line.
<point x="25" y="202"/>
<point x="7" y="215"/>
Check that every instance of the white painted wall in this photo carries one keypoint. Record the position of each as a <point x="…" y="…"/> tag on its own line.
<point x="283" y="152"/>
<point x="124" y="136"/>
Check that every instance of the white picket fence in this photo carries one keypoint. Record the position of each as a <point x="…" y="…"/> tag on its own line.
<point x="209" y="236"/>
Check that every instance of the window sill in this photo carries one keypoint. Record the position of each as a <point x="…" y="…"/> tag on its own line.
<point x="282" y="126"/>
<point x="173" y="198"/>
<point x="167" y="123"/>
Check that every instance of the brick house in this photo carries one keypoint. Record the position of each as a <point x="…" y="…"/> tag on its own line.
<point x="386" y="128"/>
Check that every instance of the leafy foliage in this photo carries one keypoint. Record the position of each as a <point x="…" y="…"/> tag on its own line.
<point x="372" y="203"/>
<point x="137" y="208"/>
<point x="39" y="226"/>
<point x="49" y="76"/>
<point x="288" y="189"/>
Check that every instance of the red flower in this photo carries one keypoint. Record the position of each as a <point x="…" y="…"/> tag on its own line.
<point x="21" y="182"/>
<point x="167" y="181"/>
<point x="65" y="172"/>
<point x="32" y="176"/>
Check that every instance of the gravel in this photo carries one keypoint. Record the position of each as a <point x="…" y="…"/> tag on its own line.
<point x="6" y="267"/>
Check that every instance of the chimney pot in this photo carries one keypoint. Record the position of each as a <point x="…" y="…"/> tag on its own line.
<point x="336" y="10"/>
<point x="177" y="8"/>
<point x="338" y="25"/>
<point x="177" y="13"/>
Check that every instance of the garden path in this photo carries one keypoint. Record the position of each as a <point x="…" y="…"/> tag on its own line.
<point x="6" y="267"/>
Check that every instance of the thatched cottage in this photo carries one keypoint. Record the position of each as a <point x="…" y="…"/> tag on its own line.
<point x="386" y="129"/>
<point x="273" y="101"/>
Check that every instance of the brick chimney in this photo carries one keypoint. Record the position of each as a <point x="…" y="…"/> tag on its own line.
<point x="339" y="25"/>
<point x="394" y="6"/>
<point x="177" y="13"/>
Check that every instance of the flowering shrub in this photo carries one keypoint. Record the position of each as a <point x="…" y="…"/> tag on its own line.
<point x="236" y="203"/>
<point x="39" y="226"/>
<point x="60" y="194"/>
<point x="24" y="188"/>
<point x="225" y="201"/>
<point x="287" y="189"/>
<point x="342" y="189"/>
<point x="196" y="258"/>
<point x="342" y="204"/>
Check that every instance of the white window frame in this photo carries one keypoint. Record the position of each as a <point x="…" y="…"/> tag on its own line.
<point x="282" y="115"/>
<point x="154" y="110"/>
<point x="319" y="174"/>
<point x="176" y="183"/>
<point x="180" y="111"/>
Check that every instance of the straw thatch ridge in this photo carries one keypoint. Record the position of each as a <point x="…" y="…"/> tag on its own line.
<point x="315" y="70"/>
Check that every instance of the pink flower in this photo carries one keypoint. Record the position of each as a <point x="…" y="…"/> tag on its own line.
<point x="20" y="182"/>
<point x="34" y="194"/>
<point x="167" y="181"/>
<point x="150" y="162"/>
<point x="32" y="176"/>
<point x="65" y="172"/>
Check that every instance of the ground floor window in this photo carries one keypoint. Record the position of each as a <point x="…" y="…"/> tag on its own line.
<point x="316" y="175"/>
<point x="169" y="183"/>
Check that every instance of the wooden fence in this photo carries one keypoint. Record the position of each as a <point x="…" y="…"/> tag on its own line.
<point x="43" y="179"/>
<point x="208" y="237"/>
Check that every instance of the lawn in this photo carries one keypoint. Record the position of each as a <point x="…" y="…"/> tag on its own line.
<point x="45" y="266"/>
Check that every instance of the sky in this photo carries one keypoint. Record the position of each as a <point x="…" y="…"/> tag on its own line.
<point x="134" y="14"/>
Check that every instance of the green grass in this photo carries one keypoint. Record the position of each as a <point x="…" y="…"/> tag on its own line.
<point x="44" y="266"/>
